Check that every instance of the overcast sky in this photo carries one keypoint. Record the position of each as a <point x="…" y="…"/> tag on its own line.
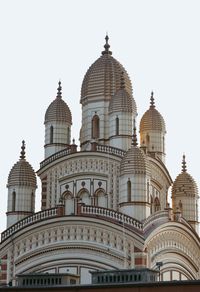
<point x="42" y="41"/>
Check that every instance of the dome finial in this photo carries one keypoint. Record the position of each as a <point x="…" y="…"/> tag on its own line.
<point x="122" y="85"/>
<point x="184" y="166"/>
<point x="106" y="46"/>
<point x="134" y="139"/>
<point x="22" y="156"/>
<point x="59" y="92"/>
<point x="152" y="103"/>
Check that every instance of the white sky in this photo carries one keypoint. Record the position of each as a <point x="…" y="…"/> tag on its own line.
<point x="42" y="41"/>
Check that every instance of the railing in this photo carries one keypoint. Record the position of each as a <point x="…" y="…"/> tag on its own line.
<point x="110" y="150"/>
<point x="111" y="214"/>
<point x="55" y="156"/>
<point x="28" y="221"/>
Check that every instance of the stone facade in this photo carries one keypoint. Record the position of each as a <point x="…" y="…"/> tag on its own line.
<point x="104" y="206"/>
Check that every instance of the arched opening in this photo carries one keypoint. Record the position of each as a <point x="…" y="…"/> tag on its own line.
<point x="100" y="199"/>
<point x="68" y="201"/>
<point x="32" y="202"/>
<point x="151" y="204"/>
<point x="156" y="205"/>
<point x="13" y="201"/>
<point x="51" y="134"/>
<point x="117" y="126"/>
<point x="68" y="135"/>
<point x="147" y="139"/>
<point x="84" y="197"/>
<point x="95" y="127"/>
<point x="128" y="191"/>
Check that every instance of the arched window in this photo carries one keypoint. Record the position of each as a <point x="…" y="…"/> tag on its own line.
<point x="13" y="201"/>
<point x="156" y="204"/>
<point x="128" y="191"/>
<point x="51" y="134"/>
<point x="147" y="139"/>
<point x="151" y="205"/>
<point x="68" y="135"/>
<point x="32" y="202"/>
<point x="100" y="199"/>
<point x="84" y="197"/>
<point x="117" y="126"/>
<point x="95" y="127"/>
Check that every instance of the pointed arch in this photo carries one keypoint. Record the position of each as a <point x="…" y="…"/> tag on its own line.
<point x="68" y="200"/>
<point x="84" y="196"/>
<point x="51" y="134"/>
<point x="129" y="191"/>
<point x="95" y="127"/>
<point x="100" y="198"/>
<point x="156" y="204"/>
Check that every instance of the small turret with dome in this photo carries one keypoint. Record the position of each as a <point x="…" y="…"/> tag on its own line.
<point x="21" y="190"/>
<point x="58" y="121"/>
<point x="185" y="196"/>
<point x="133" y="199"/>
<point x="101" y="82"/>
<point x="122" y="110"/>
<point x="152" y="131"/>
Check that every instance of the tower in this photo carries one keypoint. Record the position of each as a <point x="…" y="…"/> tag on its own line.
<point x="100" y="84"/>
<point x="21" y="190"/>
<point x="185" y="196"/>
<point x="152" y="131"/>
<point x="58" y="121"/>
<point x="122" y="110"/>
<point x="133" y="197"/>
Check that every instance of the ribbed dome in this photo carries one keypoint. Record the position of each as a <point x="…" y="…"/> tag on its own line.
<point x="134" y="161"/>
<point x="104" y="77"/>
<point x="22" y="173"/>
<point x="152" y="119"/>
<point x="58" y="110"/>
<point x="184" y="183"/>
<point x="122" y="101"/>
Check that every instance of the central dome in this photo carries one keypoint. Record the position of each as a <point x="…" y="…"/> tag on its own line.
<point x="103" y="78"/>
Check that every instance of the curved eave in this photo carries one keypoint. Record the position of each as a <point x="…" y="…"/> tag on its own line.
<point x="161" y="166"/>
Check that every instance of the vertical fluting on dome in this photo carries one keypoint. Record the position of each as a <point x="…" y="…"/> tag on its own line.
<point x="152" y="131"/>
<point x="122" y="85"/>
<point x="185" y="196"/>
<point x="58" y="121"/>
<point x="21" y="190"/>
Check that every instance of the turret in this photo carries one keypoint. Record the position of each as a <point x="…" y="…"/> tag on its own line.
<point x="185" y="196"/>
<point x="58" y="121"/>
<point x="101" y="82"/>
<point x="133" y="195"/>
<point x="21" y="190"/>
<point x="122" y="110"/>
<point x="152" y="131"/>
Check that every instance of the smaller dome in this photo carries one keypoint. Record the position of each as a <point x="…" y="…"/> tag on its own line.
<point x="134" y="161"/>
<point x="122" y="101"/>
<point x="152" y="119"/>
<point x="22" y="173"/>
<point x="184" y="183"/>
<point x="58" y="110"/>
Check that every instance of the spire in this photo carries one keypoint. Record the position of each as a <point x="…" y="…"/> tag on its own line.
<point x="134" y="139"/>
<point x="122" y="85"/>
<point x="152" y="103"/>
<point x="106" y="46"/>
<point x="22" y="156"/>
<point x="184" y="166"/>
<point x="59" y="90"/>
